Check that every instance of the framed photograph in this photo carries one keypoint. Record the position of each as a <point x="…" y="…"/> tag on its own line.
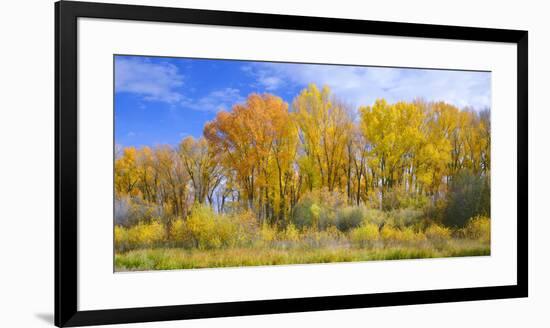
<point x="214" y="164"/>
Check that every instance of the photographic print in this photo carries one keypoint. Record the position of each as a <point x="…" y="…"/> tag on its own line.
<point x="231" y="163"/>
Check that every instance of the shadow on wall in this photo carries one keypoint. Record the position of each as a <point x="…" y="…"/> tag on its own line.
<point x="47" y="317"/>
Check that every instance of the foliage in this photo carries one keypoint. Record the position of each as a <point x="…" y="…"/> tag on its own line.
<point x="290" y="233"/>
<point x="468" y="196"/>
<point x="438" y="234"/>
<point x="350" y="217"/>
<point x="404" y="216"/>
<point x="267" y="233"/>
<point x="399" y="180"/>
<point x="388" y="232"/>
<point x="479" y="227"/>
<point x="146" y="234"/>
<point x="365" y="235"/>
<point x="132" y="210"/>
<point x="391" y="234"/>
<point x="121" y="238"/>
<point x="180" y="234"/>
<point x="139" y="235"/>
<point x="318" y="208"/>
<point x="209" y="230"/>
<point x="398" y="198"/>
<point x="247" y="228"/>
<point x="296" y="164"/>
<point x="375" y="216"/>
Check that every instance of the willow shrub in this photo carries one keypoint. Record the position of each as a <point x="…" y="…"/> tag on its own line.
<point x="365" y="235"/>
<point x="247" y="227"/>
<point x="210" y="230"/>
<point x="141" y="235"/>
<point x="391" y="234"/>
<point x="479" y="227"/>
<point x="267" y="233"/>
<point x="350" y="217"/>
<point x="146" y="234"/>
<point x="405" y="216"/>
<point x="469" y="195"/>
<point x="290" y="233"/>
<point x="180" y="235"/>
<point x="374" y="216"/>
<point x="438" y="235"/>
<point x="205" y="229"/>
<point x="318" y="209"/>
<point x="398" y="197"/>
<point x="121" y="238"/>
<point x="130" y="211"/>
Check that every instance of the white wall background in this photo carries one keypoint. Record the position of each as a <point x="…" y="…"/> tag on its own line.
<point x="26" y="162"/>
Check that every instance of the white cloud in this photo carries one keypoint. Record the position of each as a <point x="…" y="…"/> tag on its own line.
<point x="270" y="82"/>
<point x="162" y="81"/>
<point x="215" y="101"/>
<point x="363" y="85"/>
<point x="267" y="79"/>
<point x="152" y="81"/>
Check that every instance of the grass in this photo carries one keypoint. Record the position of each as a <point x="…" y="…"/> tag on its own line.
<point x="179" y="258"/>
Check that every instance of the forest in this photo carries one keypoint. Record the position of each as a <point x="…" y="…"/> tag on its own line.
<point x="313" y="181"/>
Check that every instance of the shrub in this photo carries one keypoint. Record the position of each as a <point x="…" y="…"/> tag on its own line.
<point x="372" y="199"/>
<point x="406" y="235"/>
<point x="318" y="208"/>
<point x="315" y="214"/>
<point x="130" y="211"/>
<point x="438" y="233"/>
<point x="405" y="216"/>
<point x="365" y="235"/>
<point x="267" y="233"/>
<point x="350" y="217"/>
<point x="178" y="230"/>
<point x="121" y="238"/>
<point x="312" y="237"/>
<point x="330" y="235"/>
<point x="146" y="234"/>
<point x="479" y="227"/>
<point x="206" y="229"/>
<point x="180" y="234"/>
<point x="374" y="216"/>
<point x="226" y="231"/>
<point x="290" y="234"/>
<point x="435" y="211"/>
<point x="399" y="197"/>
<point x="210" y="230"/>
<point x="469" y="196"/>
<point x="388" y="232"/>
<point x="247" y="227"/>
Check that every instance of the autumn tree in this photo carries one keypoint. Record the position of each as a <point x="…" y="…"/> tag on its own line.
<point x="324" y="124"/>
<point x="394" y="132"/>
<point x="201" y="165"/>
<point x="262" y="157"/>
<point x="258" y="143"/>
<point x="127" y="174"/>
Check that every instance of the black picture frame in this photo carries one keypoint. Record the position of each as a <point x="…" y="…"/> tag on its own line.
<point x="66" y="15"/>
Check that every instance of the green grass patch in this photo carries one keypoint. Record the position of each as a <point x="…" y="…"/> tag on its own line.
<point x="180" y="258"/>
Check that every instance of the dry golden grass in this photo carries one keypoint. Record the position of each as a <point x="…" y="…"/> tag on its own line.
<point x="179" y="258"/>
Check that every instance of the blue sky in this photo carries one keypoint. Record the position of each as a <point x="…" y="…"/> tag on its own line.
<point x="161" y="100"/>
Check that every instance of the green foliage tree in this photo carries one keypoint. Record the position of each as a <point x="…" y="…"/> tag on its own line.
<point x="468" y="196"/>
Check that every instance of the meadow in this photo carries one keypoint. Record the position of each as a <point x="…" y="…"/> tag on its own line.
<point x="208" y="240"/>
